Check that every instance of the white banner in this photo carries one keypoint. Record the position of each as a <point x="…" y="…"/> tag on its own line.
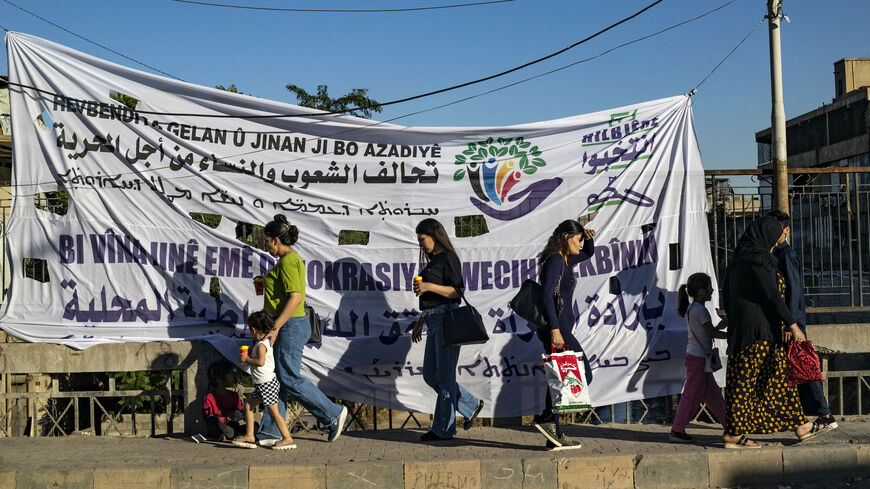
<point x="127" y="262"/>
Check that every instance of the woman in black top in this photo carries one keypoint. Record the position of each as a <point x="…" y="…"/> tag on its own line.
<point x="569" y="245"/>
<point x="758" y="398"/>
<point x="440" y="290"/>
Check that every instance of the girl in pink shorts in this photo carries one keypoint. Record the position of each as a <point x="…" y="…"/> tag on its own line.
<point x="700" y="385"/>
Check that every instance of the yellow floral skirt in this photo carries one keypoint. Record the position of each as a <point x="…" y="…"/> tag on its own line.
<point x="758" y="398"/>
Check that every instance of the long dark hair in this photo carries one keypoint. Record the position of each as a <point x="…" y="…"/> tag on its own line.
<point x="432" y="228"/>
<point x="557" y="242"/>
<point x="281" y="228"/>
<point x="696" y="282"/>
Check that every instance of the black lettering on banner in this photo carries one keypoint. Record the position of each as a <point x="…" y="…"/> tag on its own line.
<point x="239" y="137"/>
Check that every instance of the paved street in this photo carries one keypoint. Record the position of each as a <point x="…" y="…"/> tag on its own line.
<point x="483" y="445"/>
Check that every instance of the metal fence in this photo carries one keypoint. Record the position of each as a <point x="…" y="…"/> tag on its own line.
<point x="100" y="412"/>
<point x="830" y="212"/>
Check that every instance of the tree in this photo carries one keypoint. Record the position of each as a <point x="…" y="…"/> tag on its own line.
<point x="322" y="101"/>
<point x="232" y="88"/>
<point x="125" y="99"/>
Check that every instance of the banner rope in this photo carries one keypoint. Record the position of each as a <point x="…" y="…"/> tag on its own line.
<point x="694" y="90"/>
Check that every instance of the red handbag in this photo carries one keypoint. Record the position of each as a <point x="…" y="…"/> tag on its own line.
<point x="803" y="363"/>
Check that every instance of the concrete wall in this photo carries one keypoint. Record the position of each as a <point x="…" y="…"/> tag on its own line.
<point x="841" y="338"/>
<point x="825" y="465"/>
<point x="832" y="154"/>
<point x="851" y="74"/>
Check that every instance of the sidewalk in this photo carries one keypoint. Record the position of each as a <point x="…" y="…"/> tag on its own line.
<point x="612" y="456"/>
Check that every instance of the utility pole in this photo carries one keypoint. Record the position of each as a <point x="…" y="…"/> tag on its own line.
<point x="777" y="113"/>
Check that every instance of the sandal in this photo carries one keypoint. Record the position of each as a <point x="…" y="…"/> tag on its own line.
<point x="741" y="443"/>
<point x="816" y="430"/>
<point x="243" y="444"/>
<point x="288" y="446"/>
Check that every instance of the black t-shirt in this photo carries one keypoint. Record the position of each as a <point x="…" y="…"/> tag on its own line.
<point x="442" y="269"/>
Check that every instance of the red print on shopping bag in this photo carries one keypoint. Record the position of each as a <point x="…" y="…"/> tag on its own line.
<point x="569" y="368"/>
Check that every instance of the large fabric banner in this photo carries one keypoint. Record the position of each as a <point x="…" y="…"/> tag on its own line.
<point x="127" y="261"/>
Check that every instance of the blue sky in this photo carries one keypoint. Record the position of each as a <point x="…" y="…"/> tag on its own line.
<point x="400" y="54"/>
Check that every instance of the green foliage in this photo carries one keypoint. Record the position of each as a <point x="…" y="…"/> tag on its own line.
<point x="144" y="380"/>
<point x="214" y="287"/>
<point x="210" y="220"/>
<point x="350" y="237"/>
<point x="251" y="235"/>
<point x="232" y="88"/>
<point x="470" y="226"/>
<point x="322" y="101"/>
<point x="125" y="99"/>
<point x="56" y="202"/>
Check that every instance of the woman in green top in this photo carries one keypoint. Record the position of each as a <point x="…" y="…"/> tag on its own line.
<point x="284" y="293"/>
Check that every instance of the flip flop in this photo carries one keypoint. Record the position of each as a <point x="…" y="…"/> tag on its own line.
<point x="815" y="431"/>
<point x="244" y="444"/>
<point x="741" y="443"/>
<point x="289" y="446"/>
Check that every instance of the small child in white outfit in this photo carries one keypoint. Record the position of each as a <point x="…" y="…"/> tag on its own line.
<point x="266" y="386"/>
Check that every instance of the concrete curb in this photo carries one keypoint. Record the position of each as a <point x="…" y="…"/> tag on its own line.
<point x="713" y="467"/>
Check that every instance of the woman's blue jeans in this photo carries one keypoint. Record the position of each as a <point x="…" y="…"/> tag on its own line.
<point x="288" y="347"/>
<point x="439" y="373"/>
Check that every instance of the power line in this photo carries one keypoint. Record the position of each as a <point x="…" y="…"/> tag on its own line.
<point x="353" y="11"/>
<point x="440" y="106"/>
<point x="398" y="101"/>
<point x="465" y="99"/>
<point x="526" y="65"/>
<point x="585" y="60"/>
<point x="728" y="55"/>
<point x="90" y="41"/>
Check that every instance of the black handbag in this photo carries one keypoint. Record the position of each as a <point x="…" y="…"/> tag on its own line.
<point x="463" y="326"/>
<point x="527" y="302"/>
<point x="314" y="321"/>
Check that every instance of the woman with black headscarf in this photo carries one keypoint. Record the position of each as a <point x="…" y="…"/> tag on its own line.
<point x="758" y="398"/>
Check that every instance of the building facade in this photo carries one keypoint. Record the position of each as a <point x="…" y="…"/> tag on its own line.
<point x="835" y="134"/>
<point x="831" y="210"/>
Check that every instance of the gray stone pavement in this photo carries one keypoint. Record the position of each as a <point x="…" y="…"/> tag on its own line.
<point x="385" y="445"/>
<point x="491" y="451"/>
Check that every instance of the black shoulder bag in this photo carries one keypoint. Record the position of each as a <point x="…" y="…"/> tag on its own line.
<point x="314" y="321"/>
<point x="463" y="325"/>
<point x="527" y="302"/>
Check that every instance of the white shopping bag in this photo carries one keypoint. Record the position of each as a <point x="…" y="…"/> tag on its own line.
<point x="567" y="383"/>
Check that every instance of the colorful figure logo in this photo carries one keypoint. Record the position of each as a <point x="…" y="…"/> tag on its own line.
<point x="495" y="167"/>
